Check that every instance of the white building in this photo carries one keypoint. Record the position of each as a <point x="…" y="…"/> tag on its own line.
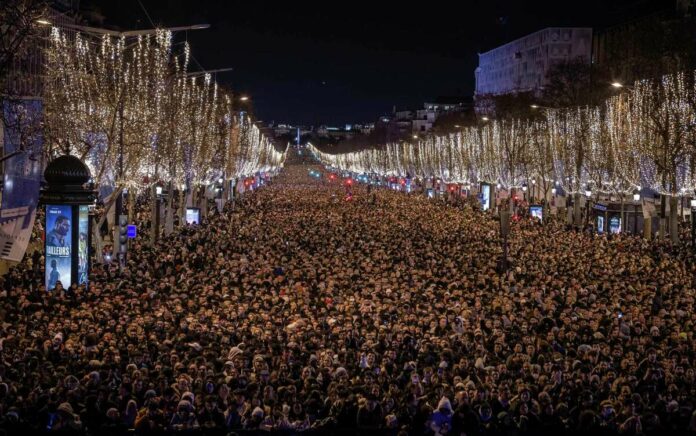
<point x="521" y="65"/>
<point x="424" y="120"/>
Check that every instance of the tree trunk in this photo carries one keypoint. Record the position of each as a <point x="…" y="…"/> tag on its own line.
<point x="674" y="219"/>
<point x="663" y="219"/>
<point x="223" y="194"/>
<point x="98" y="244"/>
<point x="131" y="205"/>
<point x="184" y="202"/>
<point x="154" y="216"/>
<point x="577" y="217"/>
<point x="169" y="218"/>
<point x="623" y="214"/>
<point x="203" y="203"/>
<point x="108" y="206"/>
<point x="647" y="228"/>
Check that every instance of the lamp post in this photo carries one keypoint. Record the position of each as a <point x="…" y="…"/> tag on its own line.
<point x="588" y="205"/>
<point x="157" y="194"/>
<point x="619" y="85"/>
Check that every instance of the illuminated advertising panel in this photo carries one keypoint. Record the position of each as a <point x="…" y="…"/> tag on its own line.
<point x="58" y="266"/>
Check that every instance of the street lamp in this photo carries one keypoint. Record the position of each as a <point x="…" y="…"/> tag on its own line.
<point x="485" y="118"/>
<point x="244" y="98"/>
<point x="619" y="85"/>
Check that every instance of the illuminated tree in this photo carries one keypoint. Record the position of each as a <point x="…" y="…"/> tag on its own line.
<point x="665" y="115"/>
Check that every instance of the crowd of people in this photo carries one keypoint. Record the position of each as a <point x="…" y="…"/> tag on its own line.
<point x="299" y="309"/>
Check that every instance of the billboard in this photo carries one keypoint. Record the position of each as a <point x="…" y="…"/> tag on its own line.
<point x="193" y="215"/>
<point x="615" y="224"/>
<point x="83" y="244"/>
<point x="536" y="211"/>
<point x="22" y="174"/>
<point x="485" y="196"/>
<point x="59" y="222"/>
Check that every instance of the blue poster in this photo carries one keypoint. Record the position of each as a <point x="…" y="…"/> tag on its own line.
<point x="83" y="245"/>
<point x="615" y="224"/>
<point x="23" y="141"/>
<point x="600" y="224"/>
<point x="58" y="245"/>
<point x="486" y="196"/>
<point x="193" y="215"/>
<point x="536" y="212"/>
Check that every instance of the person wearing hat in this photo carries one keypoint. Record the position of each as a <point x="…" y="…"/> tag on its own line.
<point x="64" y="420"/>
<point x="440" y="421"/>
<point x="184" y="418"/>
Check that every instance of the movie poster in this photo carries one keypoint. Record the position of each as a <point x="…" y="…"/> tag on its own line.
<point x="58" y="245"/>
<point x="83" y="245"/>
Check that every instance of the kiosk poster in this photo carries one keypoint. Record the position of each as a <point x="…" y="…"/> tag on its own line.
<point x="58" y="245"/>
<point x="83" y="244"/>
<point x="193" y="215"/>
<point x="536" y="212"/>
<point x="615" y="224"/>
<point x="486" y="197"/>
<point x="600" y="224"/>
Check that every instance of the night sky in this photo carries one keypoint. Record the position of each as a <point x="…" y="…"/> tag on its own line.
<point x="338" y="62"/>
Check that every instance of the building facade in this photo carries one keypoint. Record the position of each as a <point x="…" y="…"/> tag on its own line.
<point x="522" y="65"/>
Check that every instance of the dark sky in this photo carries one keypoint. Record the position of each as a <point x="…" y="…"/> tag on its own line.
<point x="337" y="62"/>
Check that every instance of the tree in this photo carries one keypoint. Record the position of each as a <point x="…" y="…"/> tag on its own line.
<point x="18" y="31"/>
<point x="518" y="105"/>
<point x="574" y="83"/>
<point x="664" y="111"/>
<point x="452" y="122"/>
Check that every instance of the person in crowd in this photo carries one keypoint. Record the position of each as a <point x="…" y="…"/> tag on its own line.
<point x="295" y="312"/>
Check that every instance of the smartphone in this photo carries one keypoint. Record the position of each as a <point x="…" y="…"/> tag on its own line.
<point x="51" y="420"/>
